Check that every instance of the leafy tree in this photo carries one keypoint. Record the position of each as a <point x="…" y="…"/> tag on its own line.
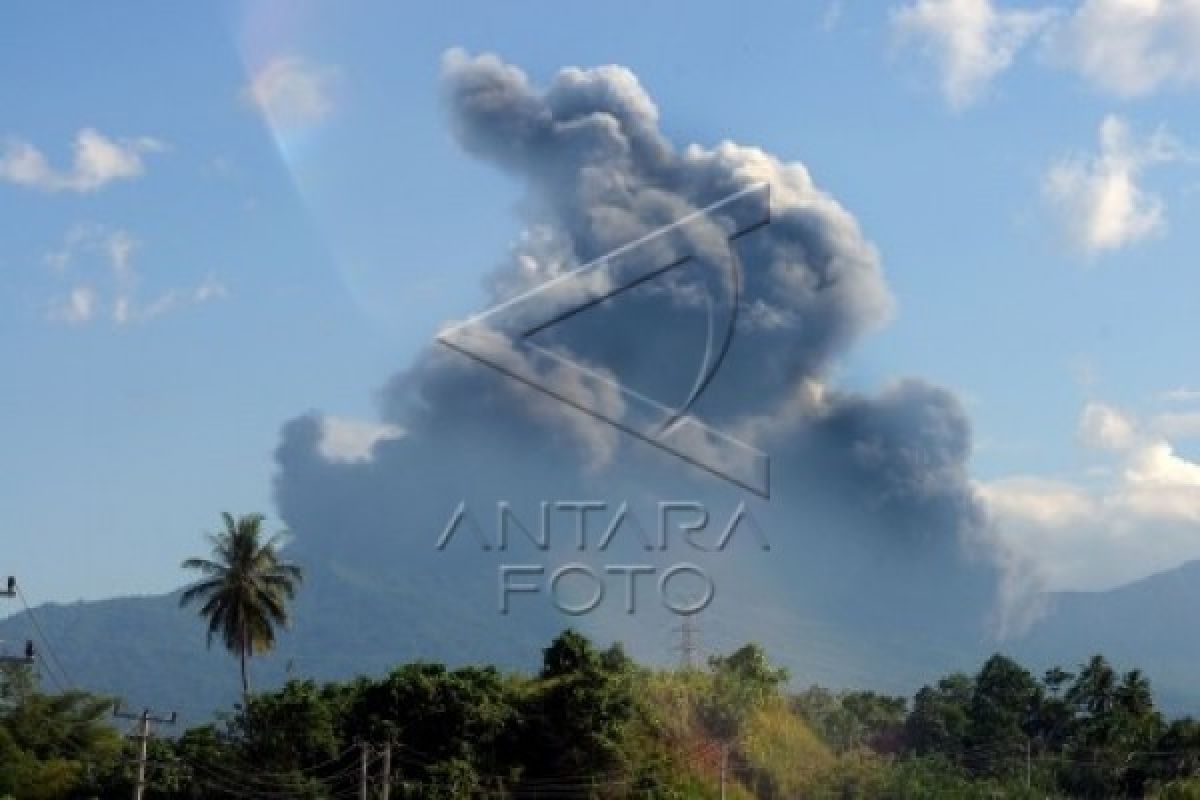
<point x="576" y="719"/>
<point x="743" y="682"/>
<point x="1002" y="712"/>
<point x="877" y="718"/>
<point x="445" y="722"/>
<point x="197" y="746"/>
<point x="941" y="717"/>
<point x="46" y="740"/>
<point x="569" y="653"/>
<point x="61" y="725"/>
<point x="1054" y="718"/>
<point x="1178" y="753"/>
<point x="246" y="588"/>
<point x="853" y="719"/>
<point x="292" y="729"/>
<point x="1117" y="726"/>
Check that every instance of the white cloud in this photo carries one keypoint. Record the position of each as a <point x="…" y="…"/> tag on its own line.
<point x="352" y="440"/>
<point x="1132" y="47"/>
<point x="1104" y="427"/>
<point x="1156" y="464"/>
<point x="1145" y="518"/>
<point x="292" y="92"/>
<point x="1098" y="198"/>
<point x="120" y="247"/>
<point x="1181" y="394"/>
<point x="1129" y="48"/>
<point x="98" y="161"/>
<point x="173" y="299"/>
<point x="79" y="306"/>
<point x="79" y="237"/>
<point x="1178" y="425"/>
<point x="95" y="253"/>
<point x="86" y="242"/>
<point x="971" y="41"/>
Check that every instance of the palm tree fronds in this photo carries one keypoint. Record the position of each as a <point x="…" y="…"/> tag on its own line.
<point x="247" y="589"/>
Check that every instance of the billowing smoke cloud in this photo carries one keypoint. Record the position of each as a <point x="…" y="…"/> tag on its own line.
<point x="601" y="175"/>
<point x="873" y="522"/>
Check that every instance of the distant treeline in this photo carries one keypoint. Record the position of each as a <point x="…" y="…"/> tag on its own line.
<point x="593" y="724"/>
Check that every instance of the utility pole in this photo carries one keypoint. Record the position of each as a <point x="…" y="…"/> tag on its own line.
<point x="29" y="658"/>
<point x="142" y="734"/>
<point x="363" y="758"/>
<point x="1028" y="762"/>
<point x="724" y="767"/>
<point x="10" y="590"/>
<point x="386" y="790"/>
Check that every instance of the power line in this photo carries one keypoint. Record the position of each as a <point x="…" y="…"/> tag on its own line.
<point x="312" y="769"/>
<point x="234" y="777"/>
<point x="243" y="779"/>
<point x="37" y="626"/>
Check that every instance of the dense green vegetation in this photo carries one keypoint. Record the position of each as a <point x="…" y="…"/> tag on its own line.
<point x="591" y="723"/>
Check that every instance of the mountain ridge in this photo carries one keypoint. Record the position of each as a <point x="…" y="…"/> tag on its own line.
<point x="148" y="651"/>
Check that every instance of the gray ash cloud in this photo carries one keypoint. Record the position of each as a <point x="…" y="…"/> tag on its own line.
<point x="872" y="508"/>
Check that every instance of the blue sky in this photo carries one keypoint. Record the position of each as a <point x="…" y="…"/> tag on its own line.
<point x="220" y="216"/>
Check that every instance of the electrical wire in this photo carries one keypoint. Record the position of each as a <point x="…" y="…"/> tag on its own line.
<point x="45" y="640"/>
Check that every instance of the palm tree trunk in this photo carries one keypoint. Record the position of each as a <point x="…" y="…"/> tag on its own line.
<point x="245" y="679"/>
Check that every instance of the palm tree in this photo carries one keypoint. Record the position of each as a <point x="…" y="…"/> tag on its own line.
<point x="1134" y="693"/>
<point x="245" y="589"/>
<point x="1096" y="687"/>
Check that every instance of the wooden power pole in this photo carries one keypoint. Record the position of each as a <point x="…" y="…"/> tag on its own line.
<point x="142" y="735"/>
